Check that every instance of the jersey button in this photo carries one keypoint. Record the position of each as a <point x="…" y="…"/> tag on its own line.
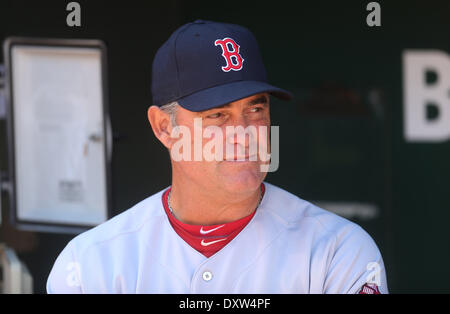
<point x="207" y="276"/>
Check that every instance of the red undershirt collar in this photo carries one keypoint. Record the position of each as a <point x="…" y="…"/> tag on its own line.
<point x="207" y="239"/>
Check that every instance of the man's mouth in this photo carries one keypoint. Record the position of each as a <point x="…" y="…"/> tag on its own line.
<point x="245" y="158"/>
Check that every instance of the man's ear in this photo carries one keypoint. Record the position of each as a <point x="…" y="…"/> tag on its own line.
<point x="160" y="122"/>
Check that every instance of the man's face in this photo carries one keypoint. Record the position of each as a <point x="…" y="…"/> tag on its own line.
<point x="238" y="171"/>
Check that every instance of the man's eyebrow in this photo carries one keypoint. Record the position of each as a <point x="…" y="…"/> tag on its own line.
<point x="258" y="100"/>
<point x="255" y="101"/>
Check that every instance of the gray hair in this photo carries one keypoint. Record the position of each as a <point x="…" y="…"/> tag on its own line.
<point x="171" y="109"/>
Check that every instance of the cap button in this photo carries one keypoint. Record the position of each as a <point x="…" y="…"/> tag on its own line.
<point x="199" y="22"/>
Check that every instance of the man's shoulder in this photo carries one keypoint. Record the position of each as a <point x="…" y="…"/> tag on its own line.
<point x="296" y="212"/>
<point x="90" y="252"/>
<point x="129" y="222"/>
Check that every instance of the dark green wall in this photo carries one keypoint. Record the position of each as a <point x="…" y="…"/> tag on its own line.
<point x="341" y="137"/>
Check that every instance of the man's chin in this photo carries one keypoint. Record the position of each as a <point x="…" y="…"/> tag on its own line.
<point x="242" y="180"/>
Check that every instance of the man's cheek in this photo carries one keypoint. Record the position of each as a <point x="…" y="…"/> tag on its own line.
<point x="212" y="145"/>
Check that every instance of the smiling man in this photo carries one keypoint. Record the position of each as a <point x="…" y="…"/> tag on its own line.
<point x="234" y="181"/>
<point x="218" y="228"/>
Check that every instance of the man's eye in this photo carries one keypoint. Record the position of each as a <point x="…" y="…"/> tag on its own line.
<point x="214" y="115"/>
<point x="256" y="109"/>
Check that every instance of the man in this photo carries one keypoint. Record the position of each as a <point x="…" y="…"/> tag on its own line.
<point x="218" y="228"/>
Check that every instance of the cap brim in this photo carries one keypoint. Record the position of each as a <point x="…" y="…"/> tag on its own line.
<point x="223" y="94"/>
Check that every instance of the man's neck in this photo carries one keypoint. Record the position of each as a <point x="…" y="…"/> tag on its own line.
<point x="199" y="206"/>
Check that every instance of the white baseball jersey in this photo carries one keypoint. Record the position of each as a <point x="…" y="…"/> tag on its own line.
<point x="289" y="246"/>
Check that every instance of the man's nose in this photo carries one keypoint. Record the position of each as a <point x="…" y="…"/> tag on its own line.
<point x="237" y="132"/>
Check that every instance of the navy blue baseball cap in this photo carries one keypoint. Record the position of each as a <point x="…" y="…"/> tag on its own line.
<point x="207" y="64"/>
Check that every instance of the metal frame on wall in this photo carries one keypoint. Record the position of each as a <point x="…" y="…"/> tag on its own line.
<point x="53" y="225"/>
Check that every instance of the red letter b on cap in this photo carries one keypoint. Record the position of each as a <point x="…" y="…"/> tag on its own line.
<point x="230" y="51"/>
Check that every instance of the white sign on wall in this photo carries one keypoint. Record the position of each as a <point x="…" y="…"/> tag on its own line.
<point x="419" y="94"/>
<point x="58" y="133"/>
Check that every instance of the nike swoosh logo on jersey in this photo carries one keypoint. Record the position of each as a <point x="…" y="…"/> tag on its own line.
<point x="212" y="242"/>
<point x="209" y="231"/>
